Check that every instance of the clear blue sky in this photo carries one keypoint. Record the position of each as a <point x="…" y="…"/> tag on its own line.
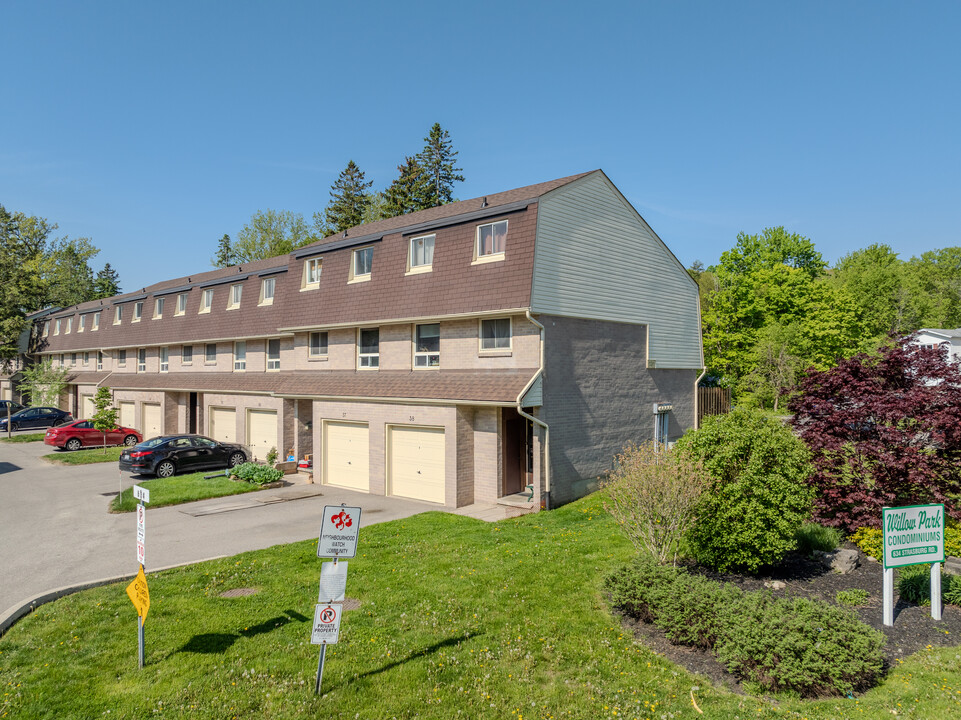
<point x="155" y="128"/>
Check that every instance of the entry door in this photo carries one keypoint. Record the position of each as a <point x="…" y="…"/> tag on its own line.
<point x="347" y="455"/>
<point x="515" y="454"/>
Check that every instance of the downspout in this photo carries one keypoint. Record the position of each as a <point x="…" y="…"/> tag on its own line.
<point x="697" y="414"/>
<point x="520" y="411"/>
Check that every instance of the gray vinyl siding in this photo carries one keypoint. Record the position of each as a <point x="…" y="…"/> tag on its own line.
<point x="595" y="257"/>
<point x="534" y="396"/>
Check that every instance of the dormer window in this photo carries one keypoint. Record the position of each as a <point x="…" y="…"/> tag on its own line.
<point x="181" y="304"/>
<point x="95" y="325"/>
<point x="118" y="315"/>
<point x="158" y="308"/>
<point x="235" y="292"/>
<point x="69" y="326"/>
<point x="137" y="312"/>
<point x="491" y="241"/>
<point x="361" y="264"/>
<point x="81" y="323"/>
<point x="312" y="270"/>
<point x="207" y="300"/>
<point x="56" y="326"/>
<point x="420" y="257"/>
<point x="46" y="328"/>
<point x="267" y="286"/>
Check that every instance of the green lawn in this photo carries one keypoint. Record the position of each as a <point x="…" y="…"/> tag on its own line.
<point x="459" y="618"/>
<point x="181" y="489"/>
<point x="28" y="437"/>
<point x="84" y="457"/>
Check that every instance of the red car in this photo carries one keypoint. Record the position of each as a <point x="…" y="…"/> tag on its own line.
<point x="81" y="433"/>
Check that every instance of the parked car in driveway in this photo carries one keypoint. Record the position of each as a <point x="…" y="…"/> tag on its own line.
<point x="35" y="417"/>
<point x="82" y="433"/>
<point x="169" y="454"/>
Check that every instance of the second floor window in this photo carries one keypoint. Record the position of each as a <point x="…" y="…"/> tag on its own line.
<point x="421" y="252"/>
<point x="142" y="360"/>
<point x="81" y="323"/>
<point x="118" y="315"/>
<point x="312" y="269"/>
<point x="240" y="355"/>
<point x="137" y="311"/>
<point x="368" y="349"/>
<point x="158" y="308"/>
<point x="95" y="325"/>
<point x="121" y="358"/>
<point x="362" y="263"/>
<point x="69" y="325"/>
<point x="235" y="292"/>
<point x="181" y="304"/>
<point x="210" y="354"/>
<point x="318" y="344"/>
<point x="427" y="345"/>
<point x="496" y="334"/>
<point x="273" y="354"/>
<point x="267" y="291"/>
<point x="164" y="359"/>
<point x="491" y="239"/>
<point x="86" y="359"/>
<point x="99" y="360"/>
<point x="187" y="355"/>
<point x="207" y="301"/>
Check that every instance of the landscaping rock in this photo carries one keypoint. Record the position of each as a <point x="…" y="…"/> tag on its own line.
<point x="952" y="565"/>
<point x="842" y="561"/>
<point x="774" y="585"/>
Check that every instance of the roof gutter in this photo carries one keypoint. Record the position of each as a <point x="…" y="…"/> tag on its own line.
<point x="697" y="399"/>
<point x="520" y="411"/>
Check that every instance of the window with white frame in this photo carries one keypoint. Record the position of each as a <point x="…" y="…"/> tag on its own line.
<point x="240" y="356"/>
<point x="164" y="359"/>
<point x="361" y="264"/>
<point x="46" y="328"/>
<point x="235" y="292"/>
<point x="210" y="354"/>
<point x="122" y="358"/>
<point x="273" y="354"/>
<point x="81" y="323"/>
<point x="99" y="360"/>
<point x="181" y="304"/>
<point x="187" y="355"/>
<point x="95" y="325"/>
<point x="495" y="334"/>
<point x="318" y="344"/>
<point x="73" y="358"/>
<point x="267" y="286"/>
<point x="427" y="345"/>
<point x="118" y="315"/>
<point x="86" y="358"/>
<point x="63" y="359"/>
<point x="312" y="270"/>
<point x="207" y="300"/>
<point x="491" y="240"/>
<point x="137" y="312"/>
<point x="56" y="326"/>
<point x="158" y="308"/>
<point x="142" y="360"/>
<point x="421" y="254"/>
<point x="368" y="348"/>
<point x="69" y="325"/>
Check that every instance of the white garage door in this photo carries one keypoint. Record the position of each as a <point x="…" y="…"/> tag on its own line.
<point x="261" y="432"/>
<point x="152" y="424"/>
<point x="347" y="455"/>
<point x="416" y="462"/>
<point x="87" y="408"/>
<point x="128" y="415"/>
<point x="223" y="424"/>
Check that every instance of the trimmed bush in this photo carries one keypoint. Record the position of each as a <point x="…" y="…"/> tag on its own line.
<point x="951" y="589"/>
<point x="749" y="517"/>
<point x="257" y="474"/>
<point x="812" y="537"/>
<point x="853" y="598"/>
<point x="804" y="646"/>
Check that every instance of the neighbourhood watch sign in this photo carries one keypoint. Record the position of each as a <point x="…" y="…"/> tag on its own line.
<point x="913" y="535"/>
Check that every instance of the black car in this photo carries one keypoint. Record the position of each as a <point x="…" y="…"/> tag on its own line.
<point x="12" y="405"/>
<point x="35" y="417"/>
<point x="168" y="454"/>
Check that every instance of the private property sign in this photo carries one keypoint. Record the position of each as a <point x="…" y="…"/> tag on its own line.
<point x="913" y="535"/>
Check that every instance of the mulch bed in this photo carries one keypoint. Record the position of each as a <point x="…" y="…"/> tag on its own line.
<point x="913" y="629"/>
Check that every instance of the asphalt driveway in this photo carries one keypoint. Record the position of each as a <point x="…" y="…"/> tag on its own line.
<point x="55" y="530"/>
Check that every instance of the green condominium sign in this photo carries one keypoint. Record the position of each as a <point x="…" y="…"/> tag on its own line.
<point x="913" y="535"/>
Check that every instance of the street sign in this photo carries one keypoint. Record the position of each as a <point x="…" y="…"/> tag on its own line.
<point x="141" y="523"/>
<point x="141" y="493"/>
<point x="326" y="624"/>
<point x="141" y="553"/>
<point x="333" y="582"/>
<point x="339" y="531"/>
<point x="139" y="594"/>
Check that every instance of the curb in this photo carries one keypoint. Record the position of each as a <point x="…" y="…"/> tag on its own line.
<point x="11" y="615"/>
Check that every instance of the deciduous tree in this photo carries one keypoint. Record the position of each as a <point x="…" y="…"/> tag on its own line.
<point x="44" y="382"/>
<point x="271" y="233"/>
<point x="21" y="283"/>
<point x="105" y="415"/>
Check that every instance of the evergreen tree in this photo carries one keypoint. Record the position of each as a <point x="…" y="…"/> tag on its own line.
<point x="107" y="283"/>
<point x="410" y="192"/>
<point x="225" y="256"/>
<point x="438" y="158"/>
<point x="349" y="199"/>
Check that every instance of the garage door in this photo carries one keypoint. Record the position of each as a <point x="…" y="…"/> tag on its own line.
<point x="416" y="462"/>
<point x="87" y="408"/>
<point x="261" y="432"/>
<point x="128" y="415"/>
<point x="347" y="455"/>
<point x="223" y="424"/>
<point x="152" y="424"/>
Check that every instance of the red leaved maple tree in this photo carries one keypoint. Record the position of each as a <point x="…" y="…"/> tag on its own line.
<point x="883" y="430"/>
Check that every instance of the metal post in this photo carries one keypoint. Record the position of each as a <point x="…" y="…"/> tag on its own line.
<point x="320" y="669"/>
<point x="936" y="591"/>
<point x="888" y="597"/>
<point x="140" y="641"/>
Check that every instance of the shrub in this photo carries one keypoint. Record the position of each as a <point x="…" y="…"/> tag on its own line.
<point x="257" y="474"/>
<point x="851" y="597"/>
<point x="951" y="589"/>
<point x="806" y="646"/>
<point x="812" y="537"/>
<point x="653" y="492"/>
<point x="914" y="584"/>
<point x="271" y="457"/>
<point x="750" y="515"/>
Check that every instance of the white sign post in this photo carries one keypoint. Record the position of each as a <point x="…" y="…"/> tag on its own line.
<point x="143" y="495"/>
<point x="913" y="535"/>
<point x="339" y="532"/>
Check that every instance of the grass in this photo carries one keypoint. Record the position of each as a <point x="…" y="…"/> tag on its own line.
<point x="459" y="618"/>
<point x="181" y="489"/>
<point x="812" y="537"/>
<point x="29" y="437"/>
<point x="86" y="456"/>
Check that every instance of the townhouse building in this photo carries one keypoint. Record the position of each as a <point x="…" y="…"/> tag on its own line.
<point x="461" y="354"/>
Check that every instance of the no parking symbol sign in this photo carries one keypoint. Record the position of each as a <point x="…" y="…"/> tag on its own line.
<point x="326" y="624"/>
